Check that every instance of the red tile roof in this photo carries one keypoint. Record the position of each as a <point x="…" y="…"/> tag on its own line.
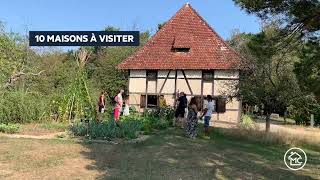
<point x="186" y="29"/>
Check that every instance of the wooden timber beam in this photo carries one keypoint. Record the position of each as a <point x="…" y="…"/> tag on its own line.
<point x="164" y="82"/>
<point x="185" y="77"/>
<point x="175" y="88"/>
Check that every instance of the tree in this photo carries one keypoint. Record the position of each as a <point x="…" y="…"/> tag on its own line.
<point x="16" y="59"/>
<point x="297" y="15"/>
<point x="102" y="67"/>
<point x="308" y="70"/>
<point x="268" y="79"/>
<point x="300" y="23"/>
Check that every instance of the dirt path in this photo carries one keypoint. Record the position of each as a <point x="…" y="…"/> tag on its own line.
<point x="46" y="136"/>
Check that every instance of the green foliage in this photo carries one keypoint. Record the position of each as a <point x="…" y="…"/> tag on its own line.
<point x="21" y="107"/>
<point x="302" y="108"/>
<point x="302" y="16"/>
<point x="128" y="128"/>
<point x="102" y="65"/>
<point x="76" y="101"/>
<point x="268" y="81"/>
<point x="54" y="85"/>
<point x="79" y="128"/>
<point x="9" y="128"/>
<point x="158" y="118"/>
<point x="247" y="122"/>
<point x="300" y="27"/>
<point x="308" y="69"/>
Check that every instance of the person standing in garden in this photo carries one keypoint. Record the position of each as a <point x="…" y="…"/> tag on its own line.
<point x="126" y="107"/>
<point x="101" y="105"/>
<point x="180" y="111"/>
<point x="207" y="113"/>
<point x="192" y="119"/>
<point x="117" y="109"/>
<point x="162" y="102"/>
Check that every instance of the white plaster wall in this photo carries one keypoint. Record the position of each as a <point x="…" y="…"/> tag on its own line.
<point x="228" y="116"/>
<point x="182" y="86"/>
<point x="138" y="73"/>
<point x="134" y="99"/>
<point x="189" y="74"/>
<point x="222" y="87"/>
<point x="137" y="85"/>
<point x="226" y="74"/>
<point x="232" y="104"/>
<point x="207" y="88"/>
<point x="169" y="100"/>
<point x="195" y="86"/>
<point x="168" y="87"/>
<point x="152" y="87"/>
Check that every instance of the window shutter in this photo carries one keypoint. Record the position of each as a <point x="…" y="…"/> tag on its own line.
<point x="221" y="105"/>
<point x="142" y="101"/>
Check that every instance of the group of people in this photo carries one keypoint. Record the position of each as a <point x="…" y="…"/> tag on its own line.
<point x="189" y="119"/>
<point x="118" y="103"/>
<point x="186" y="115"/>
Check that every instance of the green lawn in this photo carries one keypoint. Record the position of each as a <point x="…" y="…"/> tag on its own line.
<point x="166" y="155"/>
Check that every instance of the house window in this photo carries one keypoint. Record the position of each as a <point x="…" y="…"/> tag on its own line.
<point x="207" y="75"/>
<point x="152" y="101"/>
<point x="151" y="75"/>
<point x="184" y="50"/>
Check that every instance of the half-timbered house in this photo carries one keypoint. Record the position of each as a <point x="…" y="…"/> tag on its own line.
<point x="187" y="55"/>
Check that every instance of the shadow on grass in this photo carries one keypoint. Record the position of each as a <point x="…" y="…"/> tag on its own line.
<point x="169" y="155"/>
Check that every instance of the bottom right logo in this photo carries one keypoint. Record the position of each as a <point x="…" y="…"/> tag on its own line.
<point x="295" y="158"/>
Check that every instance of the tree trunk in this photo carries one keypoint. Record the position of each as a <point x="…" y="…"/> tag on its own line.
<point x="268" y="122"/>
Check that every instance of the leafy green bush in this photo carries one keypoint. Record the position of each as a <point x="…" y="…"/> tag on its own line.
<point x="21" y="107"/>
<point x="246" y="122"/>
<point x="302" y="108"/>
<point x="79" y="128"/>
<point x="128" y="128"/>
<point x="9" y="128"/>
<point x="159" y="118"/>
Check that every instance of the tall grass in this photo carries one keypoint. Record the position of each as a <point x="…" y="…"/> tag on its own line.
<point x="248" y="130"/>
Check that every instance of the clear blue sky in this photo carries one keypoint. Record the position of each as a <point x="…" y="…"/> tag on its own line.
<point x="140" y="15"/>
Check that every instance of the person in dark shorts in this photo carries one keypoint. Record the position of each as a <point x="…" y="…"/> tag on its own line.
<point x="180" y="111"/>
